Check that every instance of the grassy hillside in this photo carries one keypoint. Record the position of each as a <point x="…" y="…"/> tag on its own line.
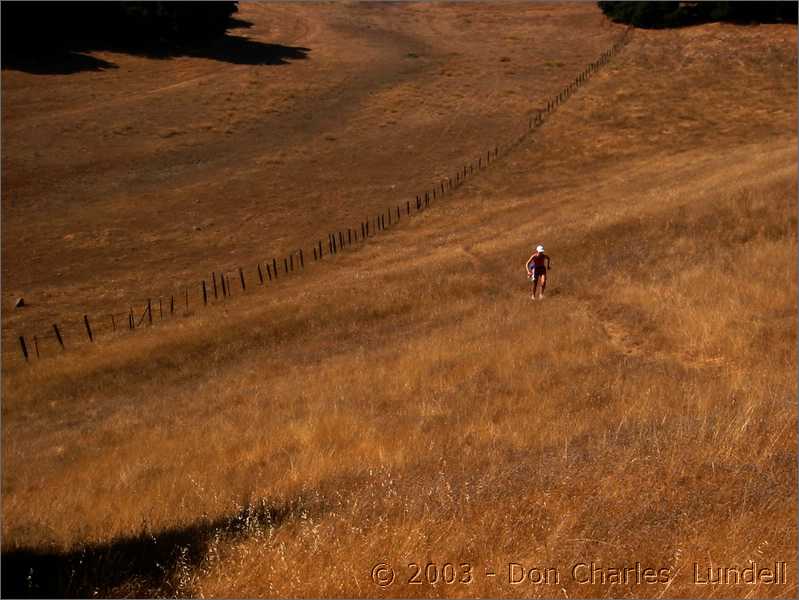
<point x="407" y="402"/>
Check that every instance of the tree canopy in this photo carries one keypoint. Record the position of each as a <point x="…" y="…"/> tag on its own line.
<point x="32" y="27"/>
<point x="676" y="14"/>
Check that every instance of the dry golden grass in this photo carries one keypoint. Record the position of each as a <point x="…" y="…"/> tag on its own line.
<point x="408" y="403"/>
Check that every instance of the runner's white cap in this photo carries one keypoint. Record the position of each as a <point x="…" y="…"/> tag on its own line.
<point x="539" y="248"/>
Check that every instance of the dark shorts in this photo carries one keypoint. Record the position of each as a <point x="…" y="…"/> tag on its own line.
<point x="538" y="271"/>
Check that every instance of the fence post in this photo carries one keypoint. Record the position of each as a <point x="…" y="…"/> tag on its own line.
<point x="260" y="275"/>
<point x="340" y="240"/>
<point x="58" y="336"/>
<point x="213" y="281"/>
<point x="88" y="327"/>
<point x="302" y="260"/>
<point x="113" y="323"/>
<point x="131" y="319"/>
<point x="205" y="295"/>
<point x="187" y="300"/>
<point x="160" y="309"/>
<point x="149" y="311"/>
<point x="224" y="286"/>
<point x="274" y="267"/>
<point x="36" y="346"/>
<point x="320" y="249"/>
<point x="23" y="347"/>
<point x="241" y="277"/>
<point x="314" y="254"/>
<point x="291" y="262"/>
<point x="172" y="305"/>
<point x="285" y="265"/>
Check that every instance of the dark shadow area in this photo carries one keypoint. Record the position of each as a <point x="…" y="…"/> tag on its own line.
<point x="56" y="63"/>
<point x="662" y="15"/>
<point x="56" y="38"/>
<point x="140" y="565"/>
<point x="242" y="51"/>
<point x="234" y="23"/>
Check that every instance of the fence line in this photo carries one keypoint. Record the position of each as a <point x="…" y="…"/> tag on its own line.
<point x="218" y="286"/>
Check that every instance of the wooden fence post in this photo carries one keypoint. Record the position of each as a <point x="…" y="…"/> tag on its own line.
<point x="149" y="311"/>
<point x="224" y="286"/>
<point x="160" y="309"/>
<point x="260" y="275"/>
<point x="187" y="300"/>
<point x="285" y="265"/>
<point x="113" y="323"/>
<point x="171" y="305"/>
<point x="36" y="346"/>
<point x="302" y="260"/>
<point x="274" y="267"/>
<point x="320" y="249"/>
<point x="58" y="336"/>
<point x="88" y="327"/>
<point x="205" y="295"/>
<point x="213" y="281"/>
<point x="23" y="347"/>
<point x="269" y="271"/>
<point x="131" y="319"/>
<point x="241" y="277"/>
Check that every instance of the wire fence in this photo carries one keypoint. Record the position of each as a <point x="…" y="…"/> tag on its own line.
<point x="219" y="286"/>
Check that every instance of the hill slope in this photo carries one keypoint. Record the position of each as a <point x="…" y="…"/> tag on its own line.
<point x="408" y="403"/>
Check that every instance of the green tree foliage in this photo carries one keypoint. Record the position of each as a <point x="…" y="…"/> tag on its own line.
<point x="676" y="14"/>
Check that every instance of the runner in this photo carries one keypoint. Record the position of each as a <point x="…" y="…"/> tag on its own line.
<point x="537" y="266"/>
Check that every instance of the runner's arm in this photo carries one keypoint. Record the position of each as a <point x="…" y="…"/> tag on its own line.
<point x="527" y="265"/>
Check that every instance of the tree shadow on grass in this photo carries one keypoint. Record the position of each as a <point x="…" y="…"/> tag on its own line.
<point x="229" y="48"/>
<point x="56" y="63"/>
<point x="243" y="51"/>
<point x="144" y="564"/>
<point x="67" y="56"/>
